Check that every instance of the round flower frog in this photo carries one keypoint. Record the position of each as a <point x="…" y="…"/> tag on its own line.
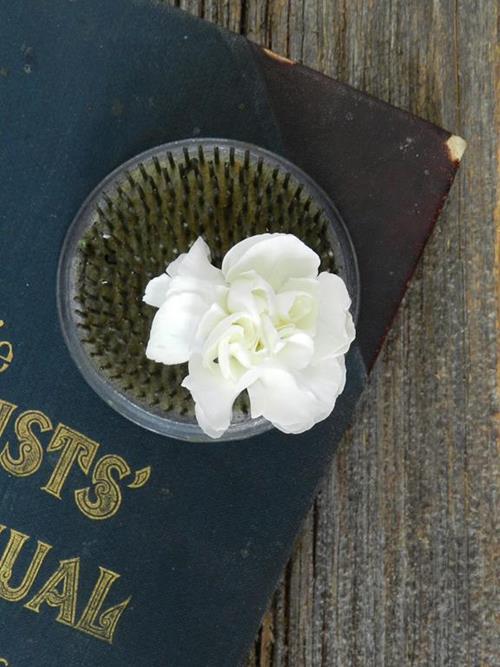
<point x="265" y="322"/>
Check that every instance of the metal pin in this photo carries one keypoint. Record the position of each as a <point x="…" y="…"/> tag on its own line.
<point x="157" y="165"/>
<point x="144" y="174"/>
<point x="171" y="161"/>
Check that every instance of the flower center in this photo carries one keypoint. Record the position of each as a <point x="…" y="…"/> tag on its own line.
<point x="257" y="327"/>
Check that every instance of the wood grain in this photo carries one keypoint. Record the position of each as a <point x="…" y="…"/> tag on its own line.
<point x="396" y="562"/>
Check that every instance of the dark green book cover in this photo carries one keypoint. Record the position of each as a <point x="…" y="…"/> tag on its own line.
<point x="179" y="566"/>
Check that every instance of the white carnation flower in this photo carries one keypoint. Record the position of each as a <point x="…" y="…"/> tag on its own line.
<point x="265" y="322"/>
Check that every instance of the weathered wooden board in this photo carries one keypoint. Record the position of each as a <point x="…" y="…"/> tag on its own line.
<point x="395" y="565"/>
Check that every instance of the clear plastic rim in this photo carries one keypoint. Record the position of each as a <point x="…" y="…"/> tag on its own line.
<point x="135" y="412"/>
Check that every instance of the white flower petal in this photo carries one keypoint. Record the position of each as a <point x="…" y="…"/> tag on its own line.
<point x="270" y="337"/>
<point x="234" y="254"/>
<point x="214" y="395"/>
<point x="237" y="327"/>
<point x="212" y="293"/>
<point x="294" y="401"/>
<point x="275" y="257"/>
<point x="251" y="294"/>
<point x="206" y="424"/>
<point x="307" y="285"/>
<point x="277" y="396"/>
<point x="156" y="290"/>
<point x="298" y="303"/>
<point x="297" y="352"/>
<point x="212" y="317"/>
<point x="326" y="380"/>
<point x="183" y="297"/>
<point x="332" y="285"/>
<point x="174" y="327"/>
<point x="335" y="328"/>
<point x="196" y="264"/>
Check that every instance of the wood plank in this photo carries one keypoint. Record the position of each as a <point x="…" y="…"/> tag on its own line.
<point x="395" y="565"/>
